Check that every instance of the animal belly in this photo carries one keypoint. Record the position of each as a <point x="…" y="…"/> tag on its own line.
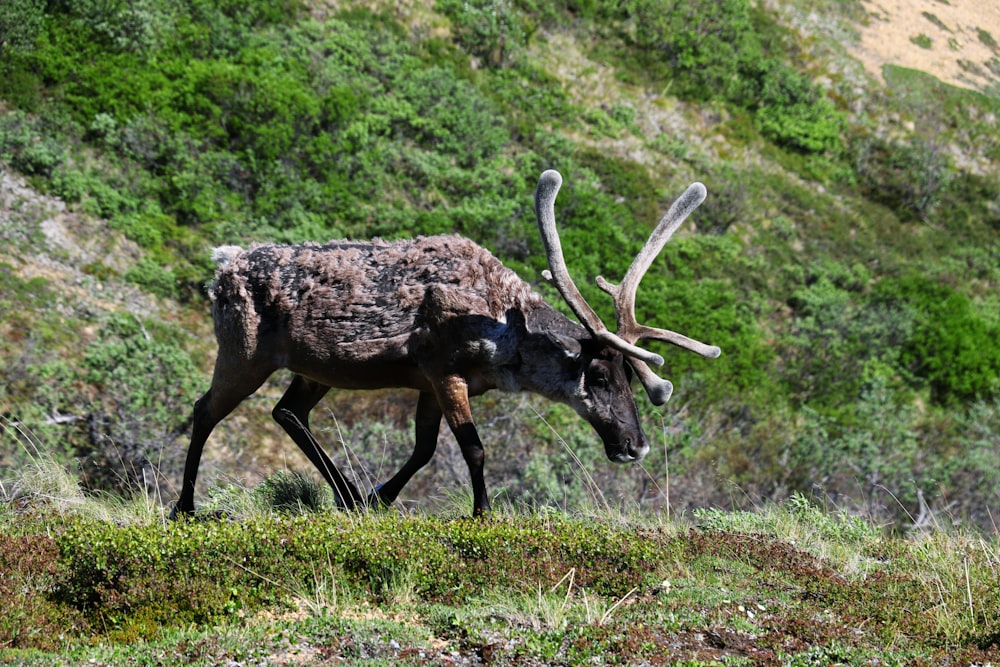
<point x="366" y="363"/>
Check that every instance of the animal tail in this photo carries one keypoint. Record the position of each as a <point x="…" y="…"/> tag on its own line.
<point x="225" y="254"/>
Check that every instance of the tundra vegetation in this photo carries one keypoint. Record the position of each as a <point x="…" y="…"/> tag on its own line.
<point x="847" y="261"/>
<point x="290" y="579"/>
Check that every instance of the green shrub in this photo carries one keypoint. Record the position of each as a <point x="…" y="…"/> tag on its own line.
<point x="130" y="582"/>
<point x="29" y="569"/>
<point x="153" y="277"/>
<point x="491" y="30"/>
<point x="450" y="116"/>
<point x="711" y="44"/>
<point x="837" y="333"/>
<point x="727" y="201"/>
<point x="986" y="38"/>
<point x="952" y="346"/>
<point x="27" y="145"/>
<point x="909" y="178"/>
<point x="731" y="52"/>
<point x="133" y="581"/>
<point x="292" y="492"/>
<point x="20" y="23"/>
<point x="793" y="113"/>
<point x="132" y="391"/>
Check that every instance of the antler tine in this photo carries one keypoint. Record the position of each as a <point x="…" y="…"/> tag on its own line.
<point x="545" y="197"/>
<point x="657" y="388"/>
<point x="665" y="228"/>
<point x="624" y="293"/>
<point x="545" y="211"/>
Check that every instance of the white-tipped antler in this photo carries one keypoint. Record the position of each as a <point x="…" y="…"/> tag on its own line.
<point x="629" y="330"/>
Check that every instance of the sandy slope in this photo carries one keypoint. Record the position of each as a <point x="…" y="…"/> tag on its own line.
<point x="958" y="53"/>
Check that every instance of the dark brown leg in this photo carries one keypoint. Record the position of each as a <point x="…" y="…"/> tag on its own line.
<point x="209" y="410"/>
<point x="428" y="423"/>
<point x="453" y="397"/>
<point x="292" y="412"/>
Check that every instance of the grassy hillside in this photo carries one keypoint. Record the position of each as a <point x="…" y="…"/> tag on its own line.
<point x="109" y="583"/>
<point x="846" y="260"/>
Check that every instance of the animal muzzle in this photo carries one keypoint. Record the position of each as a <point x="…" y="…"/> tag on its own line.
<point x="628" y="450"/>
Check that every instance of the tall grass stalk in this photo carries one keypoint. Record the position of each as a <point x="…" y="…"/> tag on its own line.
<point x="594" y="492"/>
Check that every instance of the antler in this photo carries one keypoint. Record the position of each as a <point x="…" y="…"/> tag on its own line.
<point x="629" y="330"/>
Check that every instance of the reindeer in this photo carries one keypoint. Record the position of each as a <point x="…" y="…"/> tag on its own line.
<point x="440" y="315"/>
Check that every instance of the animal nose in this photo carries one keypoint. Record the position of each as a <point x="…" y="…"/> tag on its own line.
<point x="628" y="452"/>
<point x="638" y="451"/>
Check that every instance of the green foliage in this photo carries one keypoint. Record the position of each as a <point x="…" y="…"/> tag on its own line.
<point x="153" y="277"/>
<point x="630" y="182"/>
<point x="935" y="20"/>
<point x="20" y="22"/>
<point x="26" y="146"/>
<point x="130" y="580"/>
<point x="133" y="390"/>
<point x="986" y="38"/>
<point x="29" y="568"/>
<point x="449" y="116"/>
<point x="793" y="113"/>
<point x="491" y="30"/>
<point x="295" y="146"/>
<point x="729" y="51"/>
<point x="833" y="329"/>
<point x="972" y="456"/>
<point x="710" y="45"/>
<point x="952" y="345"/>
<point x="908" y="177"/>
<point x="552" y="587"/>
<point x="802" y="514"/>
<point x="292" y="492"/>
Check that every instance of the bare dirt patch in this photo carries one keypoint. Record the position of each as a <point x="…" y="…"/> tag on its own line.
<point x="950" y="39"/>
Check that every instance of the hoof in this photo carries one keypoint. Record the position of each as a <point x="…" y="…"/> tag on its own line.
<point x="375" y="500"/>
<point x="177" y="513"/>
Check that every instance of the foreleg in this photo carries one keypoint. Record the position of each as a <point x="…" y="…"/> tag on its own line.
<point x="452" y="395"/>
<point x="427" y="425"/>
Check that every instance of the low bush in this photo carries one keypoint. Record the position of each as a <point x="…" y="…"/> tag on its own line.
<point x="491" y="30"/>
<point x="792" y="112"/>
<point x="29" y="572"/>
<point x="909" y="178"/>
<point x="952" y="345"/>
<point x="129" y="582"/>
<point x="124" y="414"/>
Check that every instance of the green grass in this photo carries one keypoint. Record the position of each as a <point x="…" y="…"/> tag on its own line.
<point x="114" y="583"/>
<point x="163" y="129"/>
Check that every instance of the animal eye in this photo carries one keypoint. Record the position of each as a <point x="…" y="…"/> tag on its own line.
<point x="599" y="379"/>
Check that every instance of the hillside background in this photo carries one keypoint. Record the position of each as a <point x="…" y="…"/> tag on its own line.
<point x="847" y="260"/>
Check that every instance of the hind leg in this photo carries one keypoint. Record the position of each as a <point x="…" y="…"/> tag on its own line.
<point x="229" y="388"/>
<point x="292" y="412"/>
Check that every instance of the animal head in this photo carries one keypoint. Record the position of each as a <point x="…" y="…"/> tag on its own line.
<point x="598" y="365"/>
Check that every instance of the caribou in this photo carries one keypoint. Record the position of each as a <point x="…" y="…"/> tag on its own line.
<point x="437" y="314"/>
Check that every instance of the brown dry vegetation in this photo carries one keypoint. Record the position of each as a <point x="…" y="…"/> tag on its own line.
<point x="963" y="49"/>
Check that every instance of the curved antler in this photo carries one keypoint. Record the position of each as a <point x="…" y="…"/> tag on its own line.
<point x="545" y="199"/>
<point x="624" y="293"/>
<point x="629" y="330"/>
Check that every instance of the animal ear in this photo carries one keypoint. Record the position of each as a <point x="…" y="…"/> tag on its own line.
<point x="570" y="346"/>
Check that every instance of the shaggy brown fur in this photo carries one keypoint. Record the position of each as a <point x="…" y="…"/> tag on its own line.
<point x="311" y="307"/>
